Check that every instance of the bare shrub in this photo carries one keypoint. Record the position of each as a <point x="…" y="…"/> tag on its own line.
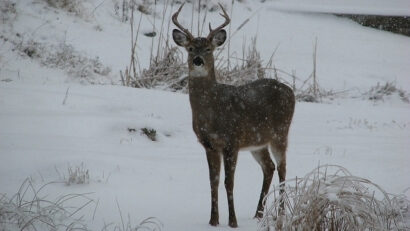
<point x="381" y="91"/>
<point x="27" y="210"/>
<point x="8" y="10"/>
<point x="71" y="6"/>
<point x="330" y="198"/>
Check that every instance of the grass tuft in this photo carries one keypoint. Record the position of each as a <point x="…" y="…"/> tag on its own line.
<point x="78" y="175"/>
<point x="150" y="133"/>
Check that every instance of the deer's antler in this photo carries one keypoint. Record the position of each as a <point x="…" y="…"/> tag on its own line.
<point x="175" y="21"/>
<point x="227" y="21"/>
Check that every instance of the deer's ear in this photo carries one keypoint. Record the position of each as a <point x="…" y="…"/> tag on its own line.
<point x="179" y="38"/>
<point x="219" y="38"/>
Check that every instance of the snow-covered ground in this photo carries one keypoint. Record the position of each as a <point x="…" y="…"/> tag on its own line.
<point x="365" y="7"/>
<point x="50" y="121"/>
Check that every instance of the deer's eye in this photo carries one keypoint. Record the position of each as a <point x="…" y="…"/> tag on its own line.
<point x="190" y="49"/>
<point x="208" y="49"/>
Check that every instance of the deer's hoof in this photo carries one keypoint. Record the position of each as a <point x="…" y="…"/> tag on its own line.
<point x="233" y="224"/>
<point x="214" y="222"/>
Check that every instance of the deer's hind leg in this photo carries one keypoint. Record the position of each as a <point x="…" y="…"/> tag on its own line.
<point x="279" y="153"/>
<point x="263" y="158"/>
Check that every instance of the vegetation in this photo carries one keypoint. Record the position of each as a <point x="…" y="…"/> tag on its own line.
<point x="331" y="198"/>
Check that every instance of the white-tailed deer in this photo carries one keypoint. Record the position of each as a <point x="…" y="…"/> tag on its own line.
<point x="226" y="119"/>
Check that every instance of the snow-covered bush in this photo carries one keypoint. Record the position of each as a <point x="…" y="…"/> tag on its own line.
<point x="76" y="64"/>
<point x="64" y="57"/>
<point x="381" y="92"/>
<point x="330" y="198"/>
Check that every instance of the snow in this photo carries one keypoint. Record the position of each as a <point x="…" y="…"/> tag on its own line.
<point x="365" y="7"/>
<point x="40" y="136"/>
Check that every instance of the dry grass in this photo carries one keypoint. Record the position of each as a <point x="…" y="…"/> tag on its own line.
<point x="71" y="6"/>
<point x="78" y="175"/>
<point x="27" y="210"/>
<point x="382" y="91"/>
<point x="330" y="198"/>
<point x="242" y="70"/>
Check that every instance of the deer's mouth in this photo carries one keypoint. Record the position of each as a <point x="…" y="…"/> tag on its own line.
<point x="198" y="71"/>
<point x="198" y="61"/>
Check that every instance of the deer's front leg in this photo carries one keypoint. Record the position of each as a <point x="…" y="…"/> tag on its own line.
<point x="214" y="164"/>
<point x="230" y="157"/>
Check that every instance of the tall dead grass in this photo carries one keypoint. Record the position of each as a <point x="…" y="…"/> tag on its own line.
<point x="29" y="209"/>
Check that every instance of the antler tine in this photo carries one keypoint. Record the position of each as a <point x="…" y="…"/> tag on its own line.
<point x="227" y="21"/>
<point x="175" y="21"/>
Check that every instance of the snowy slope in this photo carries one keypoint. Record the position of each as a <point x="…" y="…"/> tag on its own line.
<point x="51" y="120"/>
<point x="349" y="57"/>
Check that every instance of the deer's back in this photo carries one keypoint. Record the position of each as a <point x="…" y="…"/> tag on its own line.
<point x="252" y="113"/>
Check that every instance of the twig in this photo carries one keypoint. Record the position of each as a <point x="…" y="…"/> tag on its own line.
<point x="66" y="96"/>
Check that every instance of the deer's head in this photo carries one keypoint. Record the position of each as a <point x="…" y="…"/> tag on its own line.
<point x="200" y="50"/>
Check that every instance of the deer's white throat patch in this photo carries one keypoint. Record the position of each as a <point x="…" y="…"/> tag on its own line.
<point x="199" y="71"/>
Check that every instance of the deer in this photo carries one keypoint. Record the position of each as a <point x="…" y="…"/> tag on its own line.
<point x="227" y="119"/>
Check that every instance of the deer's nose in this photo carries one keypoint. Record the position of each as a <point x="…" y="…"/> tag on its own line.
<point x="198" y="61"/>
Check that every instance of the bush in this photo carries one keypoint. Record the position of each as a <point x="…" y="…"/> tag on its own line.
<point x="380" y="92"/>
<point x="165" y="71"/>
<point x="330" y="198"/>
<point x="245" y="69"/>
<point x="71" y="6"/>
<point x="7" y="10"/>
<point x="76" y="64"/>
<point x="64" y="57"/>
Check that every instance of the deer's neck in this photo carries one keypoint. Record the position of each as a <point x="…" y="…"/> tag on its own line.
<point x="201" y="90"/>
